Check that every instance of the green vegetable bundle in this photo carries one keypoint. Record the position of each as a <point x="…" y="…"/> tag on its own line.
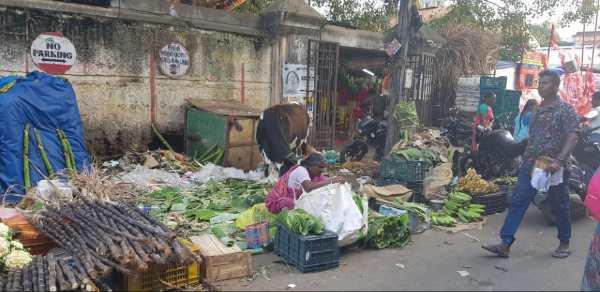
<point x="387" y="232"/>
<point x="417" y="209"/>
<point x="457" y="206"/>
<point x="405" y="114"/>
<point x="299" y="221"/>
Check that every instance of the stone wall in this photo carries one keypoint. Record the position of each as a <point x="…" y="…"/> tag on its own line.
<point x="112" y="76"/>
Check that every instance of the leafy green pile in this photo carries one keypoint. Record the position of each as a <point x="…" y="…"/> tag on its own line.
<point x="204" y="202"/>
<point x="299" y="221"/>
<point x="430" y="157"/>
<point x="387" y="232"/>
<point x="405" y="114"/>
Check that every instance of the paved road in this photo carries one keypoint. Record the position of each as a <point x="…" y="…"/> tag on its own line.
<point x="432" y="260"/>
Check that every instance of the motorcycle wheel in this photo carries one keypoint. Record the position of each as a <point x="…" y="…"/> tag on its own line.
<point x="354" y="152"/>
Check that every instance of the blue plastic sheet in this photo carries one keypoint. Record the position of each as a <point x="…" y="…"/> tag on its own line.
<point x="47" y="103"/>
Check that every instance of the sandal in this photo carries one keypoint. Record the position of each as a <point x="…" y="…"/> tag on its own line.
<point x="561" y="253"/>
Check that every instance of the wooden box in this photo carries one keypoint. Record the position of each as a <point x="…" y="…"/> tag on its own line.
<point x="222" y="262"/>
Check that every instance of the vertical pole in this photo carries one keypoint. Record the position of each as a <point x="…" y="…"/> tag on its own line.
<point x="242" y="90"/>
<point x="550" y="42"/>
<point x="583" y="42"/>
<point x="152" y="88"/>
<point x="595" y="29"/>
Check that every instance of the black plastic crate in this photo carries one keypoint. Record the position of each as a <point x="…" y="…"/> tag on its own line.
<point x="494" y="203"/>
<point x="311" y="253"/>
<point x="402" y="170"/>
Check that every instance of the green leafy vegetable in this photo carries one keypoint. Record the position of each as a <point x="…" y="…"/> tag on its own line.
<point x="299" y="221"/>
<point x="387" y="232"/>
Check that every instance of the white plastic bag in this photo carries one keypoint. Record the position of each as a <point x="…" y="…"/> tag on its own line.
<point x="542" y="181"/>
<point x="334" y="205"/>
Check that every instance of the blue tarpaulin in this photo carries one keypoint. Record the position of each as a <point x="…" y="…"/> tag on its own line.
<point x="47" y="103"/>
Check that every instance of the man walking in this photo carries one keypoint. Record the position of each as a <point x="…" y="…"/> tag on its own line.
<point x="552" y="133"/>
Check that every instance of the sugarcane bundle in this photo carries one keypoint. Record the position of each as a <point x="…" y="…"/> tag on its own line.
<point x="26" y="175"/>
<point x="48" y="273"/>
<point x="68" y="152"/>
<point x="105" y="236"/>
<point x="43" y="154"/>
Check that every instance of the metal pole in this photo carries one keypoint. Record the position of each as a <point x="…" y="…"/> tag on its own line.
<point x="550" y="42"/>
<point x="595" y="29"/>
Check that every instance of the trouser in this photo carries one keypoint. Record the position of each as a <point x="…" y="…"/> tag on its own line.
<point x="521" y="198"/>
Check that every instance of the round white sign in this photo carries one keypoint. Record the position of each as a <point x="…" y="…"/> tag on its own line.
<point x="174" y="60"/>
<point x="53" y="53"/>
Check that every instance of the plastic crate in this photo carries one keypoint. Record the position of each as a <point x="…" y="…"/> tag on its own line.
<point x="494" y="203"/>
<point x="311" y="253"/>
<point x="402" y="170"/>
<point x="487" y="82"/>
<point x="175" y="275"/>
<point x="509" y="102"/>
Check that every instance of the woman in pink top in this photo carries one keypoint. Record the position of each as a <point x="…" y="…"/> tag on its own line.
<point x="307" y="176"/>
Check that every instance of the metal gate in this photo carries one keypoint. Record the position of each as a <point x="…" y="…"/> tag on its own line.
<point x="321" y="102"/>
<point x="418" y="87"/>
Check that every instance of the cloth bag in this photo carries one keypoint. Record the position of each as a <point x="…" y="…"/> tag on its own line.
<point x="592" y="200"/>
<point x="334" y="206"/>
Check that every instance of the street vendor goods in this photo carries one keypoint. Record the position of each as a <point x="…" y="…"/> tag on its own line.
<point x="457" y="208"/>
<point x="102" y="236"/>
<point x="473" y="183"/>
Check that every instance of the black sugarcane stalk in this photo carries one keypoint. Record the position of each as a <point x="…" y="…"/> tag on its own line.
<point x="61" y="278"/>
<point x="51" y="273"/>
<point x="34" y="274"/>
<point x="26" y="175"/>
<point x="41" y="274"/>
<point x="38" y="141"/>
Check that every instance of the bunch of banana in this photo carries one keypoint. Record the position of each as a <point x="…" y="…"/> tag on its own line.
<point x="457" y="206"/>
<point x="473" y="183"/>
<point x="213" y="155"/>
<point x="471" y="213"/>
<point x="440" y="218"/>
<point x="455" y="201"/>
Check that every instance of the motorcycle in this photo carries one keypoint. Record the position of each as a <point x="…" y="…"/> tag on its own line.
<point x="369" y="132"/>
<point x="497" y="154"/>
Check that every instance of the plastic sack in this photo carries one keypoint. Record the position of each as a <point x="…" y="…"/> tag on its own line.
<point x="258" y="213"/>
<point x="336" y="208"/>
<point x="592" y="200"/>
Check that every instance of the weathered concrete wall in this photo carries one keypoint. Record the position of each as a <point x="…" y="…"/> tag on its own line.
<point x="112" y="74"/>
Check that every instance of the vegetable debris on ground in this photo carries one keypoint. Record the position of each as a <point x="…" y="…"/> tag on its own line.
<point x="300" y="222"/>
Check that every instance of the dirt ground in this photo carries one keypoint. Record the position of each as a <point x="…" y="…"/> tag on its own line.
<point x="433" y="260"/>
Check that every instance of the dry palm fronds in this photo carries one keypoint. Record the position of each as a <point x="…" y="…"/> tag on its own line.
<point x="468" y="51"/>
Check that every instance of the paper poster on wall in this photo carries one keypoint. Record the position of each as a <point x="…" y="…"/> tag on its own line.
<point x="296" y="80"/>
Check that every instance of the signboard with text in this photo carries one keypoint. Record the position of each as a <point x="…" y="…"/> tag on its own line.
<point x="53" y="53"/>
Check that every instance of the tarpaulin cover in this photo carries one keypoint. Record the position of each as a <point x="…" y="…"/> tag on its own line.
<point x="47" y="103"/>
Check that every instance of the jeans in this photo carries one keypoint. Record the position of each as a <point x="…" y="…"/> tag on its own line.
<point x="524" y="193"/>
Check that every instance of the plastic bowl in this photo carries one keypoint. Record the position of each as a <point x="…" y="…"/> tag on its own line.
<point x="436" y="205"/>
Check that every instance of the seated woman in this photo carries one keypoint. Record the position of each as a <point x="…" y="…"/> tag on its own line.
<point x="307" y="176"/>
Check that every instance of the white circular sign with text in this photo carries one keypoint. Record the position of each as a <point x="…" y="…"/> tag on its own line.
<point x="53" y="53"/>
<point x="174" y="60"/>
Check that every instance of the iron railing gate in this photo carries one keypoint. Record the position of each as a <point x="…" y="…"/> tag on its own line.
<point x="421" y="85"/>
<point x="321" y="102"/>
